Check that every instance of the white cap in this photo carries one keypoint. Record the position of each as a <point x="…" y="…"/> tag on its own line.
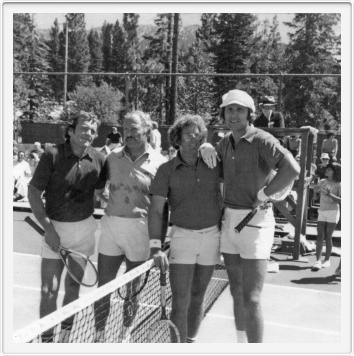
<point x="324" y="155"/>
<point x="238" y="97"/>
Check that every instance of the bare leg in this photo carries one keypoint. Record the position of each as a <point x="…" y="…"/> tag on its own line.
<point x="234" y="272"/>
<point x="253" y="276"/>
<point x="201" y="279"/>
<point x="321" y="227"/>
<point x="181" y="277"/>
<point x="330" y="227"/>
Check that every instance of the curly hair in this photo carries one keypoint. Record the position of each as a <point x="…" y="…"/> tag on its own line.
<point x="336" y="168"/>
<point x="250" y="117"/>
<point x="86" y="116"/>
<point x="175" y="131"/>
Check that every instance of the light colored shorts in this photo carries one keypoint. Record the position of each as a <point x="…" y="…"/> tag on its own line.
<point x="251" y="242"/>
<point x="330" y="216"/>
<point x="78" y="236"/>
<point x="195" y="246"/>
<point x="123" y="236"/>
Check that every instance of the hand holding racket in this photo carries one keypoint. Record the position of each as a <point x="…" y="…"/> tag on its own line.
<point x="274" y="198"/>
<point x="79" y="266"/>
<point x="163" y="330"/>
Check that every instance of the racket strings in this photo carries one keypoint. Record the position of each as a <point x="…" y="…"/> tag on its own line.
<point x="81" y="269"/>
<point x="164" y="333"/>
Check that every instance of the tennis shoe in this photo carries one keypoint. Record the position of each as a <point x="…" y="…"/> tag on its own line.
<point x="317" y="266"/>
<point x="326" y="263"/>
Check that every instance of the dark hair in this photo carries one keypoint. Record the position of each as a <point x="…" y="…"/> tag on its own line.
<point x="336" y="168"/>
<point x="86" y="116"/>
<point x="330" y="133"/>
<point x="155" y="125"/>
<point x="175" y="131"/>
<point x="251" y="116"/>
<point x="21" y="152"/>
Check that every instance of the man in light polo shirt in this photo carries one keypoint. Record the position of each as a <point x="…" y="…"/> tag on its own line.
<point x="124" y="229"/>
<point x="248" y="156"/>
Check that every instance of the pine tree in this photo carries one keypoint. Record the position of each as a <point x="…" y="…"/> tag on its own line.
<point x="106" y="38"/>
<point x="30" y="55"/>
<point x="78" y="50"/>
<point x="96" y="54"/>
<point x="232" y="50"/>
<point x="118" y="56"/>
<point x="311" y="50"/>
<point x="56" y="61"/>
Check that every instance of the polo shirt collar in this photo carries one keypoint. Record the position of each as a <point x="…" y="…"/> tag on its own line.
<point x="248" y="136"/>
<point x="177" y="161"/>
<point x="69" y="152"/>
<point x="149" y="151"/>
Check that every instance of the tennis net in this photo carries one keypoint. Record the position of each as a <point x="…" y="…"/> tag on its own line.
<point x="120" y="311"/>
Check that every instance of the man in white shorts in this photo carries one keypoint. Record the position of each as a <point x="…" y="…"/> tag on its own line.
<point x="69" y="175"/>
<point x="124" y="229"/>
<point x="248" y="156"/>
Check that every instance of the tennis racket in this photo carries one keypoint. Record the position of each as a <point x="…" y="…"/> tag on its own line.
<point x="163" y="331"/>
<point x="275" y="198"/>
<point x="79" y="266"/>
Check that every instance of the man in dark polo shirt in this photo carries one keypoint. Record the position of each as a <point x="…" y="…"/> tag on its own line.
<point x="193" y="193"/>
<point x="269" y="117"/>
<point x="69" y="175"/>
<point x="248" y="156"/>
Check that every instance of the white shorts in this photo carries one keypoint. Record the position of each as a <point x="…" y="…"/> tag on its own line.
<point x="330" y="216"/>
<point x="123" y="236"/>
<point x="195" y="246"/>
<point x="251" y="242"/>
<point x="78" y="236"/>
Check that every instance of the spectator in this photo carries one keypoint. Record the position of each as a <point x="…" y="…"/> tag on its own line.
<point x="47" y="145"/>
<point x="269" y="117"/>
<point x="188" y="184"/>
<point x="69" y="175"/>
<point x="321" y="169"/>
<point x="293" y="144"/>
<point x="21" y="173"/>
<point x="328" y="213"/>
<point x="248" y="156"/>
<point x="124" y="228"/>
<point x="114" y="138"/>
<point x="155" y="139"/>
<point x="330" y="146"/>
<point x="172" y="152"/>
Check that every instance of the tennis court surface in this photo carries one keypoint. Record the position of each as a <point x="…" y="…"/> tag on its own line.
<point x="300" y="306"/>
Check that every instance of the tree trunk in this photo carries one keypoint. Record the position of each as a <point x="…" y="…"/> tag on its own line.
<point x="174" y="70"/>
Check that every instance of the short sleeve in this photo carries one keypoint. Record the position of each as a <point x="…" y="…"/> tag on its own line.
<point x="43" y="172"/>
<point x="160" y="184"/>
<point x="272" y="151"/>
<point x="103" y="176"/>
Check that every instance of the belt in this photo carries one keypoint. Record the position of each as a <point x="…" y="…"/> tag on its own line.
<point x="201" y="231"/>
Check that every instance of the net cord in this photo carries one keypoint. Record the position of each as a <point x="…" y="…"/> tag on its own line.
<point x="32" y="331"/>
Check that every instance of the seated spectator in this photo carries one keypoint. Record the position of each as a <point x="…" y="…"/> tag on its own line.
<point x="47" y="145"/>
<point x="330" y="146"/>
<point x="114" y="138"/>
<point x="21" y="173"/>
<point x="321" y="169"/>
<point x="269" y="117"/>
<point x="37" y="152"/>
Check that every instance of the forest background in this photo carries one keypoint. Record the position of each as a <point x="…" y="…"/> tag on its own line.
<point x="222" y="43"/>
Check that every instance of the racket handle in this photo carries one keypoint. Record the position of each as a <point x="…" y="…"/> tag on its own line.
<point x="34" y="225"/>
<point x="246" y="220"/>
<point x="163" y="280"/>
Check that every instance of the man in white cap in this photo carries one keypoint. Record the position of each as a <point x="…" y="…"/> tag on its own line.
<point x="269" y="117"/>
<point x="248" y="156"/>
<point x="321" y="169"/>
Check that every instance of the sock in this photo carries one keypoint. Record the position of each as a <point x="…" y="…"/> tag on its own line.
<point x="241" y="336"/>
<point x="190" y="340"/>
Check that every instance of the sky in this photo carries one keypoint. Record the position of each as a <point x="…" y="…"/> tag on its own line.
<point x="45" y="21"/>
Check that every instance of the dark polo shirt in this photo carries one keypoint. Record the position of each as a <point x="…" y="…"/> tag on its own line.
<point x="193" y="193"/>
<point x="276" y="120"/>
<point x="247" y="165"/>
<point x="69" y="182"/>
